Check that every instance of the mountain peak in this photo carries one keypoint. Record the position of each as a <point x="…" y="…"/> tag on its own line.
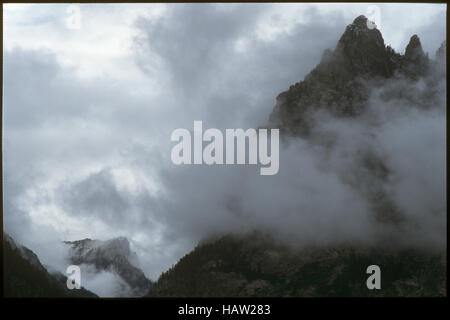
<point x="414" y="49"/>
<point x="415" y="41"/>
<point x="416" y="62"/>
<point x="338" y="83"/>
<point x="362" y="50"/>
<point x="112" y="255"/>
<point x="441" y="53"/>
<point x="360" y="21"/>
<point x="362" y="28"/>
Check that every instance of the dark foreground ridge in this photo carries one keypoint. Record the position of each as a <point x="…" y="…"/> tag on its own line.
<point x="256" y="266"/>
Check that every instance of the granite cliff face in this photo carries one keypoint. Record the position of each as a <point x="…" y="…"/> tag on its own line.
<point x="349" y="83"/>
<point x="113" y="256"/>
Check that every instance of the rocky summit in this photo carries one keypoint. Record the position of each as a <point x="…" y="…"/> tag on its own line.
<point x="343" y="80"/>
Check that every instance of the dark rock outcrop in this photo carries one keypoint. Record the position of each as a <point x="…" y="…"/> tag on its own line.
<point x="342" y="82"/>
<point x="415" y="62"/>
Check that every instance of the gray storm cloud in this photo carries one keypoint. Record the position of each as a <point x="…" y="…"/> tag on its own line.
<point x="66" y="142"/>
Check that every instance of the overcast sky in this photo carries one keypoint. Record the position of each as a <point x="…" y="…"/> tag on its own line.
<point x="88" y="113"/>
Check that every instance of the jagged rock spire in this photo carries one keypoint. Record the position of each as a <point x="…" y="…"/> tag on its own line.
<point x="416" y="62"/>
<point x="441" y="53"/>
<point x="414" y="49"/>
<point x="338" y="83"/>
<point x="363" y="49"/>
<point x="359" y="31"/>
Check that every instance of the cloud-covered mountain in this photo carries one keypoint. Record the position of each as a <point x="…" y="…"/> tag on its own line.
<point x="360" y="84"/>
<point x="115" y="256"/>
<point x="25" y="276"/>
<point x="343" y="81"/>
<point x="344" y="110"/>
